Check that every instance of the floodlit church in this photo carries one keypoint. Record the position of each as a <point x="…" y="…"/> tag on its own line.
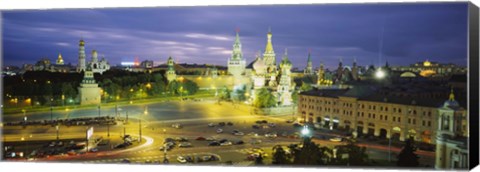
<point x="97" y="66"/>
<point x="262" y="72"/>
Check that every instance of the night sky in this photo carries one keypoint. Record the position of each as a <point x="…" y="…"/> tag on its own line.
<point x="411" y="33"/>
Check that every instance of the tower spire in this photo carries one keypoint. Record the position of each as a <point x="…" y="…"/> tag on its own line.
<point x="452" y="96"/>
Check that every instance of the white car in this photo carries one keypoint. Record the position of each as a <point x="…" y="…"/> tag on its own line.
<point x="271" y="135"/>
<point x="184" y="145"/>
<point x="239" y="133"/>
<point x="211" y="125"/>
<point x="181" y="159"/>
<point x="177" y="125"/>
<point x="219" y="130"/>
<point x="336" y="139"/>
<point x="210" y="138"/>
<point x="227" y="143"/>
<point x="252" y="134"/>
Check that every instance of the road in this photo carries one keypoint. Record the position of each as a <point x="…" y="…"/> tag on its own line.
<point x="156" y="119"/>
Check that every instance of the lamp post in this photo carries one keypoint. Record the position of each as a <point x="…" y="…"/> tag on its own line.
<point x="98" y="110"/>
<point x="51" y="113"/>
<point x="390" y="146"/>
<point x="57" y="127"/>
<point x="305" y="133"/>
<point x="139" y="130"/>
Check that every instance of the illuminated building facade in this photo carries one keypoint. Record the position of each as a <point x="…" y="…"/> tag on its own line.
<point x="432" y="69"/>
<point x="387" y="113"/>
<point x="170" y="74"/>
<point x="452" y="135"/>
<point x="96" y="65"/>
<point x="88" y="91"/>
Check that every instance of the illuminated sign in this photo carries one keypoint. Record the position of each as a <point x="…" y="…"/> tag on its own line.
<point x="127" y="63"/>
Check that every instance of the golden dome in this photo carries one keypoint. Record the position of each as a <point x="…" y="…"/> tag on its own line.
<point x="427" y="63"/>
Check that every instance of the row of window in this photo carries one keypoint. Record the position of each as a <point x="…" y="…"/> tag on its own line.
<point x="362" y="106"/>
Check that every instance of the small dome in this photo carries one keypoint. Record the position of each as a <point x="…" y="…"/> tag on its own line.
<point x="451" y="103"/>
<point x="259" y="66"/>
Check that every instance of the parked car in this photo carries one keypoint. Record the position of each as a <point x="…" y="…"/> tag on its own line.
<point x="221" y="124"/>
<point x="168" y="140"/>
<point x="177" y="125"/>
<point x="271" y="135"/>
<point x="210" y="138"/>
<point x="272" y="125"/>
<point x="255" y="127"/>
<point x="240" y="142"/>
<point x="94" y="150"/>
<point x="184" y="145"/>
<point x="181" y="159"/>
<point x="211" y="125"/>
<point x="214" y="143"/>
<point x="223" y="141"/>
<point x="253" y="134"/>
<point x="336" y="139"/>
<point x="189" y="159"/>
<point x="200" y="138"/>
<point x="219" y="130"/>
<point x="229" y="123"/>
<point x="227" y="143"/>
<point x="162" y="148"/>
<point x="239" y="134"/>
<point x="181" y="139"/>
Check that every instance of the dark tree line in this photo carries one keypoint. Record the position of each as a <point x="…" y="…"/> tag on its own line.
<point x="53" y="87"/>
<point x="310" y="153"/>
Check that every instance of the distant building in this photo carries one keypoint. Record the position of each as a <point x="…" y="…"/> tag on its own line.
<point x="82" y="64"/>
<point x="45" y="65"/>
<point x="88" y="91"/>
<point x="60" y="60"/>
<point x="170" y="74"/>
<point x="96" y="65"/>
<point x="308" y="71"/>
<point x="147" y="64"/>
<point x="432" y="69"/>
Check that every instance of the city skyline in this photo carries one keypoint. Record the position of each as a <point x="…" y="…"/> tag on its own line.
<point x="206" y="34"/>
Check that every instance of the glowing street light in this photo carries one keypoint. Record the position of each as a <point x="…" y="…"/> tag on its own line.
<point x="379" y="74"/>
<point x="305" y="131"/>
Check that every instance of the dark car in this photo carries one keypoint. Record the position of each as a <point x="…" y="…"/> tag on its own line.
<point x="255" y="127"/>
<point x="296" y="125"/>
<point x="240" y="142"/>
<point x="229" y="123"/>
<point x="221" y="124"/>
<point x="169" y="140"/>
<point x="214" y="143"/>
<point x="189" y="159"/>
<point x="201" y="138"/>
<point x="223" y="141"/>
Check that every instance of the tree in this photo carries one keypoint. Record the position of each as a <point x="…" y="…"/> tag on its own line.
<point x="305" y="86"/>
<point x="357" y="156"/>
<point x="279" y="156"/>
<point x="295" y="96"/>
<point x="264" y="99"/>
<point x="224" y="94"/>
<point x="309" y="154"/>
<point x="259" y="160"/>
<point x="408" y="157"/>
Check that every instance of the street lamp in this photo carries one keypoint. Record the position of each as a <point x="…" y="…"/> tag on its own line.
<point x="380" y="74"/>
<point x="57" y="127"/>
<point x="51" y="113"/>
<point x="98" y="110"/>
